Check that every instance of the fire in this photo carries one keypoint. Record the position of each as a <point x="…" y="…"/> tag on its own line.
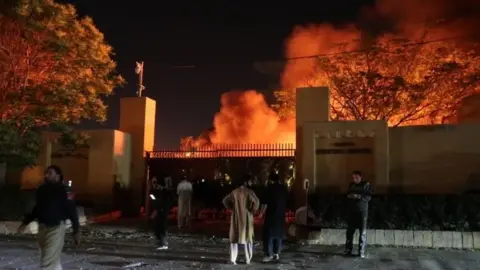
<point x="427" y="94"/>
<point x="245" y="117"/>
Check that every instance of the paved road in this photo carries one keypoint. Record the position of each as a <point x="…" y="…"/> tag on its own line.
<point x="196" y="253"/>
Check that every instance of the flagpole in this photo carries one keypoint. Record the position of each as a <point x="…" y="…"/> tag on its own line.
<point x="139" y="71"/>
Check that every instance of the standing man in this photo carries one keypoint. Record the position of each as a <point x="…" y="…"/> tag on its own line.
<point x="243" y="203"/>
<point x="52" y="208"/>
<point x="276" y="196"/>
<point x="184" y="192"/>
<point x="358" y="196"/>
<point x="162" y="201"/>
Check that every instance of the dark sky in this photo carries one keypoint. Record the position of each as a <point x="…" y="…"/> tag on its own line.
<point x="221" y="41"/>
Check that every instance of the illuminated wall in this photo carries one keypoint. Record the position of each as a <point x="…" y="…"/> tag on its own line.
<point x="108" y="161"/>
<point x="137" y="117"/>
<point x="312" y="105"/>
<point x="435" y="159"/>
<point x="32" y="177"/>
<point x="412" y="159"/>
<point x="93" y="170"/>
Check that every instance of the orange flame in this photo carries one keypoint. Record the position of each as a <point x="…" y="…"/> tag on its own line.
<point x="245" y="117"/>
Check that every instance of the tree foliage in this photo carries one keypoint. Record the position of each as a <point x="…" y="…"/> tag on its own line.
<point x="54" y="70"/>
<point x="395" y="79"/>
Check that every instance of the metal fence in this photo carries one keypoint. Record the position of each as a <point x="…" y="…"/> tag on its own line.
<point x="216" y="169"/>
<point x="223" y="161"/>
<point x="228" y="151"/>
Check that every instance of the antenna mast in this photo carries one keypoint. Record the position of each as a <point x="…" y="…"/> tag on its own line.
<point x="139" y="71"/>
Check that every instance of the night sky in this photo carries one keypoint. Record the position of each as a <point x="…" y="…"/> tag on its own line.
<point x="222" y="41"/>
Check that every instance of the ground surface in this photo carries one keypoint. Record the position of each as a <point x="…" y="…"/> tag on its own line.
<point x="191" y="252"/>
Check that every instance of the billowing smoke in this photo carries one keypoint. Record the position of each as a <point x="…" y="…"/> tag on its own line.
<point x="412" y="19"/>
<point x="245" y="117"/>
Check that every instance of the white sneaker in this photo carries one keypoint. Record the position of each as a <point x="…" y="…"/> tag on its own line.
<point x="162" y="248"/>
<point x="267" y="259"/>
<point x="276" y="257"/>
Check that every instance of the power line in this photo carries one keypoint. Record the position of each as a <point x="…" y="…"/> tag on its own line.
<point x="267" y="67"/>
<point x="326" y="55"/>
<point x="372" y="49"/>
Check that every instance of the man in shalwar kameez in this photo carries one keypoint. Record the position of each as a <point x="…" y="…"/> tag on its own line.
<point x="243" y="203"/>
<point x="184" y="192"/>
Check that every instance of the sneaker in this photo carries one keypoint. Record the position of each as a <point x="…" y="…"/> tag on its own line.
<point x="276" y="257"/>
<point x="162" y="248"/>
<point x="267" y="259"/>
<point x="232" y="263"/>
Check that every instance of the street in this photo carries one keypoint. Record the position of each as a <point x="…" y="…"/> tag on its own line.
<point x="212" y="253"/>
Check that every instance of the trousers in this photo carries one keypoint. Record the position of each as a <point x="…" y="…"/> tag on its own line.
<point x="184" y="210"/>
<point x="50" y="242"/>
<point x="272" y="245"/>
<point x="248" y="251"/>
<point x="161" y="228"/>
<point x="357" y="220"/>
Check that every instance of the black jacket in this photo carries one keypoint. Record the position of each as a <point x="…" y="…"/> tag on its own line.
<point x="363" y="189"/>
<point x="163" y="202"/>
<point x="276" y="196"/>
<point x="53" y="206"/>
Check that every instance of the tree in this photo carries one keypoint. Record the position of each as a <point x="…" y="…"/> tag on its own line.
<point x="54" y="70"/>
<point x="395" y="79"/>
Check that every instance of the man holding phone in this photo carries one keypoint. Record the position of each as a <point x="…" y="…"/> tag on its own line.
<point x="358" y="195"/>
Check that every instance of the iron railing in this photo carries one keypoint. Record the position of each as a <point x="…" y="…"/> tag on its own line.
<point x="228" y="150"/>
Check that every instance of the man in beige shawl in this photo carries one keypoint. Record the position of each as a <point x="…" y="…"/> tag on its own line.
<point x="184" y="192"/>
<point x="243" y="203"/>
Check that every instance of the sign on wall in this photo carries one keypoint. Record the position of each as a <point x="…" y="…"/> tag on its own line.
<point x="360" y="133"/>
<point x="337" y="151"/>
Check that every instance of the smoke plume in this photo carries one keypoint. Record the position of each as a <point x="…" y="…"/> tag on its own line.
<point x="245" y="117"/>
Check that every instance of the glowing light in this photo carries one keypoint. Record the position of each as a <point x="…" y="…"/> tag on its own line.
<point x="152" y="197"/>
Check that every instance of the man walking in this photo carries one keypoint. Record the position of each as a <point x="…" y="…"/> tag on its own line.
<point x="276" y="196"/>
<point x="358" y="196"/>
<point x="162" y="201"/>
<point x="243" y="202"/>
<point x="52" y="208"/>
<point x="184" y="192"/>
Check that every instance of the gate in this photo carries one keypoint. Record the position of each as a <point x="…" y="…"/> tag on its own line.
<point x="224" y="163"/>
<point x="217" y="169"/>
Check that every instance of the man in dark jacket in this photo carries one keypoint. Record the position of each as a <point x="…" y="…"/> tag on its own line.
<point x="52" y="208"/>
<point x="162" y="202"/>
<point x="276" y="196"/>
<point x="358" y="195"/>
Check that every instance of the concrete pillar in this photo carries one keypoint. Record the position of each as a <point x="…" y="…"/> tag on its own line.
<point x="137" y="118"/>
<point x="312" y="105"/>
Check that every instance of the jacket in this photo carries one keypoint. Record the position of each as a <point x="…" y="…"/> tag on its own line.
<point x="363" y="189"/>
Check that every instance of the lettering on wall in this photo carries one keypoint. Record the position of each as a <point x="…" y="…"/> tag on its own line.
<point x="332" y="151"/>
<point x="360" y="133"/>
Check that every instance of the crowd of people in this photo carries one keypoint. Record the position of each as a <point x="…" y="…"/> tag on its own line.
<point x="53" y="207"/>
<point x="243" y="202"/>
